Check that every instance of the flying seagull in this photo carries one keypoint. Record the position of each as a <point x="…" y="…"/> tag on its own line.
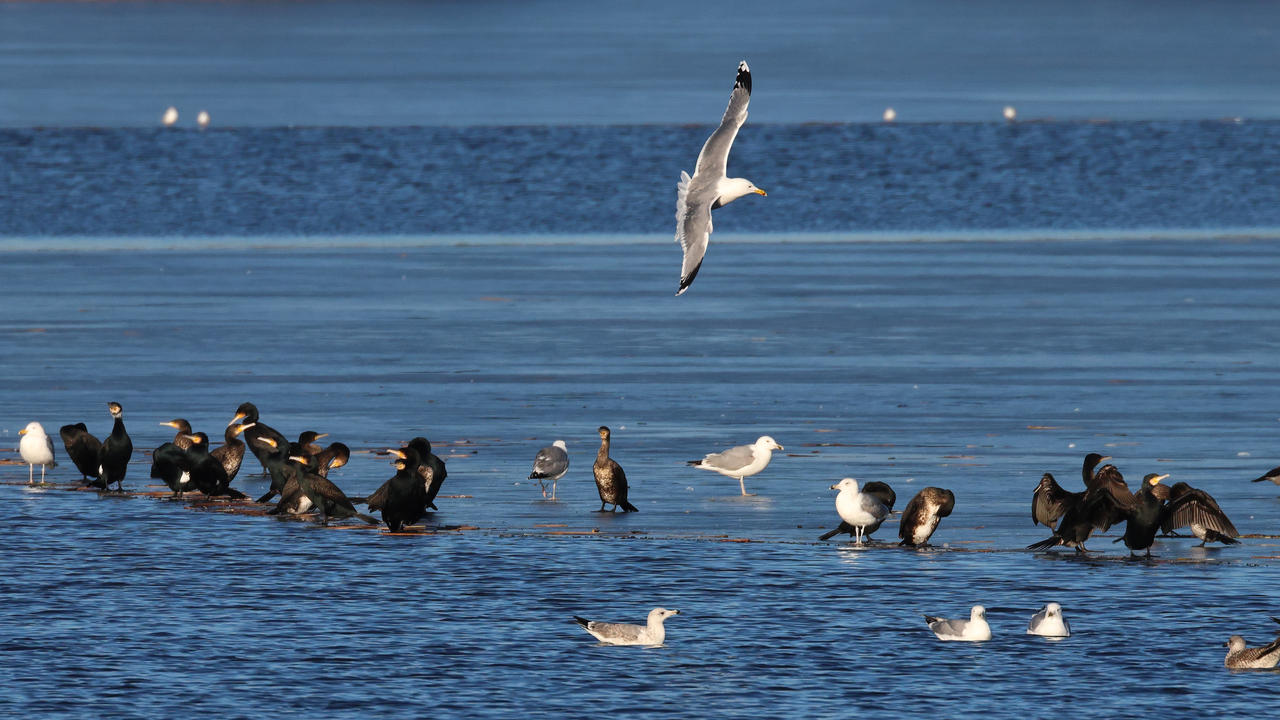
<point x="709" y="189"/>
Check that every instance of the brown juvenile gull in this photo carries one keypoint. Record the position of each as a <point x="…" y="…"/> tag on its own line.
<point x="709" y="189"/>
<point x="1240" y="657"/>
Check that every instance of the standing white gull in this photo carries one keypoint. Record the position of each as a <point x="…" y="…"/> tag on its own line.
<point x="709" y="188"/>
<point x="652" y="633"/>
<point x="742" y="461"/>
<point x="1049" y="622"/>
<point x="975" y="629"/>
<point x="36" y="448"/>
<point x="551" y="463"/>
<point x="859" y="510"/>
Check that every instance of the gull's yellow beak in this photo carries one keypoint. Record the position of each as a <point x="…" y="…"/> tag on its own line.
<point x="23" y="431"/>
<point x="776" y="446"/>
<point x="758" y="191"/>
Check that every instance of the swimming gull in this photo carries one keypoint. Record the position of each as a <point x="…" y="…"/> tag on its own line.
<point x="1240" y="657"/>
<point x="652" y="633"/>
<point x="709" y="189"/>
<point x="551" y="463"/>
<point x="975" y="629"/>
<point x="170" y="116"/>
<point x="1049" y="622"/>
<point x="859" y="510"/>
<point x="202" y="119"/>
<point x="36" y="448"/>
<point x="922" y="515"/>
<point x="879" y="490"/>
<point x="611" y="481"/>
<point x="742" y="461"/>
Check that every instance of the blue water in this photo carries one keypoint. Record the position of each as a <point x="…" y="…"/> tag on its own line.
<point x="470" y="239"/>
<point x="969" y="365"/>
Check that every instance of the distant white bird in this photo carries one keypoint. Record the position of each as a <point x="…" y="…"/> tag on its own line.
<point x="170" y="116"/>
<point x="1240" y="657"/>
<point x="551" y="463"/>
<point x="36" y="448"/>
<point x="859" y="510"/>
<point x="709" y="189"/>
<point x="975" y="629"/>
<point x="742" y="461"/>
<point x="202" y="119"/>
<point x="890" y="115"/>
<point x="652" y="633"/>
<point x="1049" y="622"/>
<point x="1010" y="114"/>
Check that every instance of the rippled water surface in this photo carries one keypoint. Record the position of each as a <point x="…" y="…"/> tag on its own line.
<point x="974" y="366"/>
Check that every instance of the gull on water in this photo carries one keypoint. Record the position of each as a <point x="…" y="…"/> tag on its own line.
<point x="1049" y="622"/>
<point x="859" y="510"/>
<point x="742" y="461"/>
<point x="551" y="463"/>
<point x="1240" y="657"/>
<point x="975" y="629"/>
<point x="170" y="116"/>
<point x="652" y="633"/>
<point x="1010" y="113"/>
<point x="202" y="119"/>
<point x="890" y="115"/>
<point x="709" y="188"/>
<point x="36" y="448"/>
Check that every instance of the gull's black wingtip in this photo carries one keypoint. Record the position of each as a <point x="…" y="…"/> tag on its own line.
<point x="744" y="77"/>
<point x="687" y="280"/>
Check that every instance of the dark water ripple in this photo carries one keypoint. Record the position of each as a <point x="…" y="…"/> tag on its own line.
<point x="820" y="178"/>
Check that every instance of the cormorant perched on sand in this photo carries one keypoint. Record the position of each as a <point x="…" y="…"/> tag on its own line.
<point x="1196" y="509"/>
<point x="82" y="447"/>
<point x="172" y="465"/>
<point x="319" y="493"/>
<point x="36" y="448"/>
<point x="183" y="437"/>
<point x="551" y="463"/>
<point x="307" y="441"/>
<point x="113" y="458"/>
<point x="248" y="413"/>
<point x="878" y="490"/>
<point x="207" y="473"/>
<point x="231" y="454"/>
<point x="923" y="514"/>
<point x="334" y="456"/>
<point x="406" y="497"/>
<point x="611" y="481"/>
<point x="275" y="458"/>
<point x="426" y="468"/>
<point x="1144" y="517"/>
